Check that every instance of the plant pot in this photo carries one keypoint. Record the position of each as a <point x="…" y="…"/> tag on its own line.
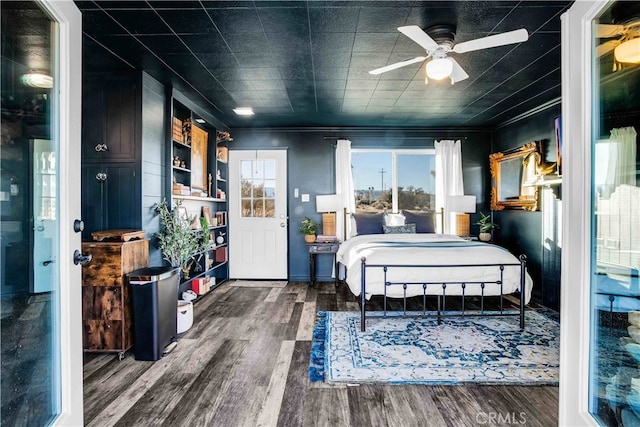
<point x="309" y="238"/>
<point x="485" y="237"/>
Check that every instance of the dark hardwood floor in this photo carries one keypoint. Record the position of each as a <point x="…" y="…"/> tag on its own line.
<point x="245" y="363"/>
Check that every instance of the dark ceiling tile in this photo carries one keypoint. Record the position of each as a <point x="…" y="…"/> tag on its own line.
<point x="247" y="42"/>
<point x="266" y="73"/>
<point x="121" y="4"/>
<point x="382" y="102"/>
<point x="382" y="19"/>
<point x="276" y="102"/>
<point x="374" y="42"/>
<point x="176" y="4"/>
<point x="163" y="44"/>
<point x="204" y="43"/>
<point x="340" y="59"/>
<point x="140" y="21"/>
<point x="333" y="19"/>
<point x="292" y="21"/>
<point x="386" y="94"/>
<point x="272" y="94"/>
<point x="269" y="85"/>
<point x="384" y="85"/>
<point x="361" y="84"/>
<point x="323" y="73"/>
<point x="332" y="42"/>
<point x="331" y="84"/>
<point x="216" y="60"/>
<point x="290" y="42"/>
<point x="98" y="22"/>
<point x="237" y="85"/>
<point x="245" y="95"/>
<point x="235" y="21"/>
<point x="357" y="94"/>
<point x="188" y="21"/>
<point x="298" y="73"/>
<point x="329" y="105"/>
<point x="255" y="59"/>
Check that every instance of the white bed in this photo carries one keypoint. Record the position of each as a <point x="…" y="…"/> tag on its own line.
<point x="406" y="265"/>
<point x="409" y="250"/>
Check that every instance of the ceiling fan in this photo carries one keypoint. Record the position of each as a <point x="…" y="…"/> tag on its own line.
<point x="625" y="47"/>
<point x="438" y="41"/>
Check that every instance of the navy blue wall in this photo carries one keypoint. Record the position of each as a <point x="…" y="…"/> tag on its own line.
<point x="522" y="231"/>
<point x="311" y="169"/>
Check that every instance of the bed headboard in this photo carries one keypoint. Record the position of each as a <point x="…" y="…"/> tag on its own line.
<point x="346" y="223"/>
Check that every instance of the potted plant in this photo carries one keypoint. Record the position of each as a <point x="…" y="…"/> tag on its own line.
<point x="486" y="227"/>
<point x="178" y="242"/>
<point x="310" y="228"/>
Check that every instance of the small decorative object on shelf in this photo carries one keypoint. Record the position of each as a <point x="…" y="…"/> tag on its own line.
<point x="176" y="161"/>
<point x="222" y="154"/>
<point x="186" y="131"/>
<point x="486" y="227"/>
<point x="223" y="136"/>
<point x="309" y="227"/>
<point x="176" y="129"/>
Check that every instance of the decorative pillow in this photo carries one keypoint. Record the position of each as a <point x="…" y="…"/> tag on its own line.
<point x="394" y="219"/>
<point x="424" y="221"/>
<point x="369" y="223"/>
<point x="399" y="229"/>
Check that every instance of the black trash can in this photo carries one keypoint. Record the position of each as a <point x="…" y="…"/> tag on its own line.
<point x="154" y="297"/>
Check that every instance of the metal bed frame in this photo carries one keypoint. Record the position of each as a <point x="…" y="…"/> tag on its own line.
<point x="441" y="311"/>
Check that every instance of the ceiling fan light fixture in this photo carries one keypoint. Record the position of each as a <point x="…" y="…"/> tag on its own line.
<point x="36" y="79"/>
<point x="628" y="52"/>
<point x="439" y="68"/>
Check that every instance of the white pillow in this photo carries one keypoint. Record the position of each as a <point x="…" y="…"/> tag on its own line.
<point x="394" y="219"/>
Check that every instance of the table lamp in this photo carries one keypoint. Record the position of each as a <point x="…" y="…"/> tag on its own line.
<point x="463" y="205"/>
<point x="328" y="205"/>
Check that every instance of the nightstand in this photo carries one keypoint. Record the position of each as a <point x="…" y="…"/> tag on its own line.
<point x="316" y="249"/>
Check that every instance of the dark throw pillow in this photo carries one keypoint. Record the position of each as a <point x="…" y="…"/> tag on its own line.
<point x="424" y="221"/>
<point x="369" y="223"/>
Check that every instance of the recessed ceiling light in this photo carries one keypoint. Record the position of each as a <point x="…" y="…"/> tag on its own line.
<point x="199" y="120"/>
<point x="243" y="111"/>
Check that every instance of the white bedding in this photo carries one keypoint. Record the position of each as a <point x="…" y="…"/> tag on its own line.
<point x="428" y="249"/>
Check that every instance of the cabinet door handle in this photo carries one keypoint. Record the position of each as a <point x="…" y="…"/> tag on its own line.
<point x="101" y="147"/>
<point x="101" y="176"/>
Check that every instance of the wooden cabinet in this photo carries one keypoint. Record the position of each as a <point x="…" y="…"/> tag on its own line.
<point x="111" y="116"/>
<point x="106" y="305"/>
<point x="108" y="194"/>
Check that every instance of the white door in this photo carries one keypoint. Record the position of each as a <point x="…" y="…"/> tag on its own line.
<point x="37" y="223"/>
<point x="258" y="214"/>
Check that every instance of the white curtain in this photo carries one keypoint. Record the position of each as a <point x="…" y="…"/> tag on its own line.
<point x="448" y="178"/>
<point x="622" y="160"/>
<point x="344" y="185"/>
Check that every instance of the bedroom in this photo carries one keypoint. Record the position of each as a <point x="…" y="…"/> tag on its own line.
<point x="508" y="107"/>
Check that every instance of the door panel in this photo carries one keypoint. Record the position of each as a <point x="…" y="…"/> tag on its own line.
<point x="258" y="214"/>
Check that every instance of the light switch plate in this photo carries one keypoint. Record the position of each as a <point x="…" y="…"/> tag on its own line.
<point x="305" y="197"/>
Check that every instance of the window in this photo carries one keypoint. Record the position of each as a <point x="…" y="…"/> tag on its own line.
<point x="258" y="188"/>
<point x="392" y="180"/>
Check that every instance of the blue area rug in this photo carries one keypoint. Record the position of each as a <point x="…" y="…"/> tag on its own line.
<point x="400" y="349"/>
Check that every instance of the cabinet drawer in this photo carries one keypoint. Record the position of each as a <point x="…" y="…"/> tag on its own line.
<point x="323" y="248"/>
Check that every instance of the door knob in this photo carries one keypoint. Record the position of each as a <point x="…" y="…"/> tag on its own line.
<point x="78" y="225"/>
<point x="78" y="258"/>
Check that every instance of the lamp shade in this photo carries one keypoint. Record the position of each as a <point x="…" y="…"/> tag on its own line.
<point x="328" y="203"/>
<point x="628" y="52"/>
<point x="466" y="204"/>
<point x="439" y="68"/>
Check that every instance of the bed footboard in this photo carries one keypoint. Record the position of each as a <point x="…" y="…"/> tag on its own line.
<point x="477" y="289"/>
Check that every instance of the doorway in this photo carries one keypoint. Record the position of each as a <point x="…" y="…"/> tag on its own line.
<point x="258" y="219"/>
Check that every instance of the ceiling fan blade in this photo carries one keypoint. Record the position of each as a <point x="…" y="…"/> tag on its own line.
<point x="397" y="65"/>
<point x="605" y="31"/>
<point x="606" y="47"/>
<point x="458" y="73"/>
<point x="502" y="39"/>
<point x="416" y="34"/>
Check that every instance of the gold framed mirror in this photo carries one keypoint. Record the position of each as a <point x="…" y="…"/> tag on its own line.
<point x="512" y="172"/>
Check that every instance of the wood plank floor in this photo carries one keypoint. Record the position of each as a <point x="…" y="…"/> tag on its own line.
<point x="245" y="363"/>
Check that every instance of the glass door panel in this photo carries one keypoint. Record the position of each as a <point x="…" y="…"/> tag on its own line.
<point x="614" y="386"/>
<point x="29" y="215"/>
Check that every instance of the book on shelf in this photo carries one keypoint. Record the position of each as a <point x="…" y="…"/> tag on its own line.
<point x="326" y="239"/>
